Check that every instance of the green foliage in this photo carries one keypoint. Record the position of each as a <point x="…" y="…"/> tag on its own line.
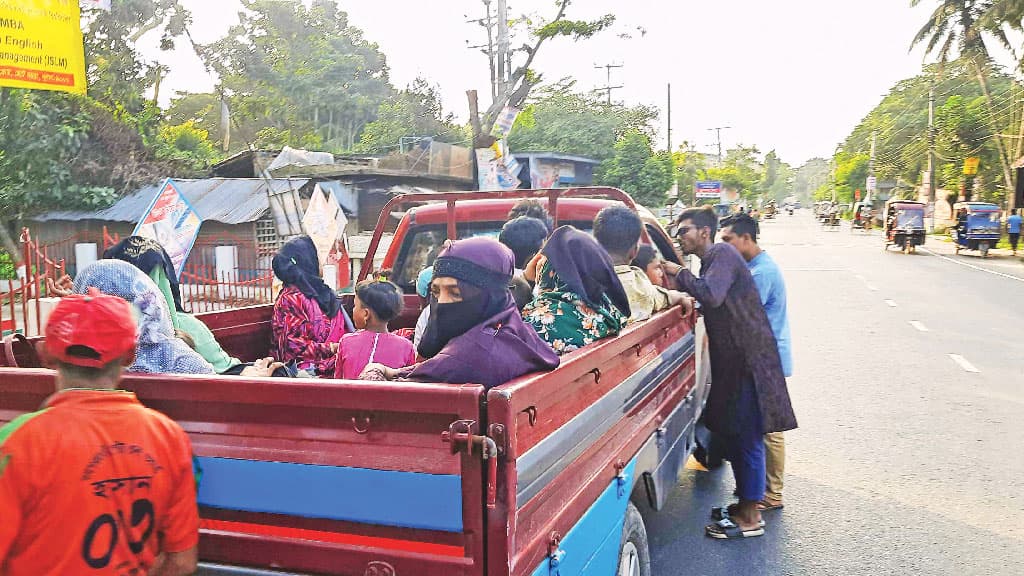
<point x="415" y="111"/>
<point x="636" y="169"/>
<point x="299" y="72"/>
<point x="577" y="29"/>
<point x="809" y="178"/>
<point x="560" y="120"/>
<point x="740" y="171"/>
<point x="188" y="144"/>
<point x="203" y="109"/>
<point x="964" y="128"/>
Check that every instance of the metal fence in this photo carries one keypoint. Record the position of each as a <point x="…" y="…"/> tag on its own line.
<point x="203" y="288"/>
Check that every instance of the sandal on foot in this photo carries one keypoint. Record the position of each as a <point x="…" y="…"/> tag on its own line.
<point x="723" y="512"/>
<point x="726" y="529"/>
<point x="766" y="504"/>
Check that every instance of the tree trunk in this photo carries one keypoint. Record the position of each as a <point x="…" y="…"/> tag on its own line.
<point x="983" y="82"/>
<point x="7" y="242"/>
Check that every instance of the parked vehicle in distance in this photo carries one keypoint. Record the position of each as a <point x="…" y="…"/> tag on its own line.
<point x="978" y="226"/>
<point x="904" y="225"/>
<point x="540" y="475"/>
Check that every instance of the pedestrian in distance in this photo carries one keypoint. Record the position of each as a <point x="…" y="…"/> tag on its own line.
<point x="741" y="232"/>
<point x="95" y="482"/>
<point x="1013" y="229"/>
<point x="748" y="395"/>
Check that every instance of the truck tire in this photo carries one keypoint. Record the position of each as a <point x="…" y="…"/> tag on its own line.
<point x="634" y="556"/>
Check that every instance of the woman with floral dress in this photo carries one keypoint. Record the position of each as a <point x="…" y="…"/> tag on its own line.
<point x="308" y="320"/>
<point x="581" y="299"/>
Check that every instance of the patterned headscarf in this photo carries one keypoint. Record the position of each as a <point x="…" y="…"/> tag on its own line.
<point x="158" y="351"/>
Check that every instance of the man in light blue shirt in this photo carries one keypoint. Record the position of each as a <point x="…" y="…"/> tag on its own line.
<point x="740" y="230"/>
<point x="1013" y="229"/>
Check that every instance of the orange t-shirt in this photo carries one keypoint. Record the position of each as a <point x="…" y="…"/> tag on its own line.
<point x="95" y="483"/>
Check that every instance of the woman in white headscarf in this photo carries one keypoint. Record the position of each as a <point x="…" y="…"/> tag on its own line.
<point x="158" y="350"/>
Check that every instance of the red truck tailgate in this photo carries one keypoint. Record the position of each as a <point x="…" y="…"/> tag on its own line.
<point x="569" y="434"/>
<point x="319" y="476"/>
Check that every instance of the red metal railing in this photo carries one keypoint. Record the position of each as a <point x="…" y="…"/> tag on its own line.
<point x="31" y="287"/>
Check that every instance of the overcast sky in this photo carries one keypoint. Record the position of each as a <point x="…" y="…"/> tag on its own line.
<point x="793" y="75"/>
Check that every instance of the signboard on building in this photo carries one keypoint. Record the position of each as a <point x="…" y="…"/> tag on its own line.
<point x="42" y="46"/>
<point x="708" y="189"/>
<point x="171" y="221"/>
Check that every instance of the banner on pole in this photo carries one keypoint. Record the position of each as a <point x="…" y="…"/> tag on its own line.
<point x="495" y="168"/>
<point x="504" y="122"/>
<point x="171" y="221"/>
<point x="42" y="46"/>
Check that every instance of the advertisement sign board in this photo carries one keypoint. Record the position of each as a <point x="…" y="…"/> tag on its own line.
<point x="42" y="46"/>
<point x="171" y="221"/>
<point x="708" y="189"/>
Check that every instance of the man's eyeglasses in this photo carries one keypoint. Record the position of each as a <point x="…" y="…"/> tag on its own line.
<point x="682" y="230"/>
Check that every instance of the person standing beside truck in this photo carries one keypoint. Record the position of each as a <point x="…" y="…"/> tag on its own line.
<point x="95" y="482"/>
<point x="741" y="232"/>
<point x="748" y="395"/>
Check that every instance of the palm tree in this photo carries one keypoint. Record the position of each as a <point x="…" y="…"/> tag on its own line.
<point x="962" y="25"/>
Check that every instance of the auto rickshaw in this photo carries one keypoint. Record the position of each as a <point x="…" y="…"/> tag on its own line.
<point x="977" y="226"/>
<point x="770" y="210"/>
<point x="830" y="216"/>
<point x="904" y="225"/>
<point x="861" y="217"/>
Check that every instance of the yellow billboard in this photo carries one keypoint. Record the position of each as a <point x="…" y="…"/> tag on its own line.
<point x="41" y="45"/>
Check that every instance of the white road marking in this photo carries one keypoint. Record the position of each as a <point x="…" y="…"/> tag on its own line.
<point x="867" y="284"/>
<point x="963" y="363"/>
<point x="954" y="261"/>
<point x="920" y="327"/>
<point x="891" y="303"/>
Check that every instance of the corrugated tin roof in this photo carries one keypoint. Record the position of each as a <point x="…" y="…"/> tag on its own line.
<point x="227" y="200"/>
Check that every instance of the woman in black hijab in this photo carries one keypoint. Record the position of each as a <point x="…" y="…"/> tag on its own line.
<point x="308" y="319"/>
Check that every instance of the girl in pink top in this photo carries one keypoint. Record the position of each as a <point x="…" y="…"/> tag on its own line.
<point x="377" y="303"/>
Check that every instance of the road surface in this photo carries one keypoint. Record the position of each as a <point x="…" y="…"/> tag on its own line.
<point x="909" y="390"/>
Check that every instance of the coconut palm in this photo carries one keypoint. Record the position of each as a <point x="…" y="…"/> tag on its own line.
<point x="962" y="26"/>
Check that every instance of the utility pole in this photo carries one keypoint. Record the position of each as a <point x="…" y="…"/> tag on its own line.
<point x="718" y="140"/>
<point x="608" y="87"/>
<point x="871" y="169"/>
<point x="668" y="142"/>
<point x="502" y="54"/>
<point x="931" y="145"/>
<point x="487" y="22"/>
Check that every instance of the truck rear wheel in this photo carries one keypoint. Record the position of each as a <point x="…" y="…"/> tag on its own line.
<point x="634" y="556"/>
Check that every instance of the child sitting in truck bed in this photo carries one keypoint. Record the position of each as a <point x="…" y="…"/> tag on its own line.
<point x="376" y="303"/>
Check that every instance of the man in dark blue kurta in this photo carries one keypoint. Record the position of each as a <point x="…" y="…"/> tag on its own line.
<point x="748" y="394"/>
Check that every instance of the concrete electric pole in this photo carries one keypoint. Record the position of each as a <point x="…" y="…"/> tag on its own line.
<point x="668" y="139"/>
<point x="718" y="140"/>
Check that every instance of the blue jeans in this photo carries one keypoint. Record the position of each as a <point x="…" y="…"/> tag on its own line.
<point x="745" y="448"/>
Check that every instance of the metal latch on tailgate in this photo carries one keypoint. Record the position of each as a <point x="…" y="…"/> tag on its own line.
<point x="461" y="438"/>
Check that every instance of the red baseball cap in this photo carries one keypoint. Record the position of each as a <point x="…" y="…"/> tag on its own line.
<point x="100" y="327"/>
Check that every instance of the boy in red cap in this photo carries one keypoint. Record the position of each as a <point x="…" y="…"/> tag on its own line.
<point x="95" y="483"/>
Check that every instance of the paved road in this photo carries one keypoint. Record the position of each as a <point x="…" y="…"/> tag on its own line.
<point x="909" y="389"/>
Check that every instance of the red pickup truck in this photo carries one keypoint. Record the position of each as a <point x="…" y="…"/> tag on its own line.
<point x="534" y="477"/>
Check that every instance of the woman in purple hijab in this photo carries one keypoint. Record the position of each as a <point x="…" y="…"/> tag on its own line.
<point x="474" y="322"/>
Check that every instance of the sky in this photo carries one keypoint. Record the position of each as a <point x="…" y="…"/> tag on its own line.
<point x="795" y="76"/>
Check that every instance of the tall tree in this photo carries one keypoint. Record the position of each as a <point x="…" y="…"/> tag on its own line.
<point x="524" y="78"/>
<point x="637" y="170"/>
<point x="963" y="25"/>
<point x="558" y="119"/>
<point x="302" y="74"/>
<point x="415" y="111"/>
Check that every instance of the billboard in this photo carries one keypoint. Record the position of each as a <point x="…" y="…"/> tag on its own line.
<point x="708" y="189"/>
<point x="171" y="221"/>
<point x="42" y="46"/>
